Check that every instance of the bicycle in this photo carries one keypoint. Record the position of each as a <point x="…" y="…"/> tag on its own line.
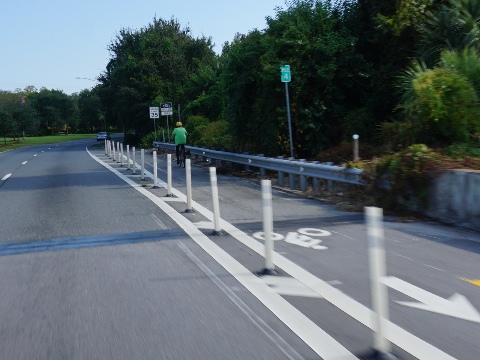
<point x="181" y="156"/>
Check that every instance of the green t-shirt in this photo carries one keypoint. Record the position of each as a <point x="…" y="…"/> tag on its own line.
<point x="180" y="134"/>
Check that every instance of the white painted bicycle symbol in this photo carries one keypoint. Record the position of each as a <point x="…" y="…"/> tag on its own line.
<point x="303" y="237"/>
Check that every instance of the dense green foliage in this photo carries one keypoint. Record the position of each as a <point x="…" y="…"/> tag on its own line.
<point x="32" y="112"/>
<point x="159" y="63"/>
<point x="394" y="72"/>
<point x="400" y="180"/>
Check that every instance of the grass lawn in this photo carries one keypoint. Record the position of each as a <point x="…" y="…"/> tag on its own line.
<point x="41" y="140"/>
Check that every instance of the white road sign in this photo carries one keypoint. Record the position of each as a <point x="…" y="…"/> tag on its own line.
<point x="154" y="113"/>
<point x="166" y="109"/>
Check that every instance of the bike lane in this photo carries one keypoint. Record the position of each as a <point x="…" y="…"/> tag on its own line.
<point x="328" y="244"/>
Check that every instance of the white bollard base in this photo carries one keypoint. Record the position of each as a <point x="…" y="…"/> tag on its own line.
<point x="375" y="354"/>
<point x="265" y="272"/>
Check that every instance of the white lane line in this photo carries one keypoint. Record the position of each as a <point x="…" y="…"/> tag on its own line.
<point x="402" y="338"/>
<point x="6" y="177"/>
<point x="403" y="256"/>
<point x="23" y="163"/>
<point x="159" y="222"/>
<point x="433" y="267"/>
<point x="290" y="352"/>
<point x="34" y="155"/>
<point x="318" y="340"/>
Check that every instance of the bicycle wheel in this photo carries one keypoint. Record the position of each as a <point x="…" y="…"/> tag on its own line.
<point x="182" y="157"/>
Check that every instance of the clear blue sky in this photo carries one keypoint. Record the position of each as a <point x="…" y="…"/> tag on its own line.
<point x="50" y="43"/>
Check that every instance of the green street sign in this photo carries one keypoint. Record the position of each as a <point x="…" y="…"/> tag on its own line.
<point x="285" y="70"/>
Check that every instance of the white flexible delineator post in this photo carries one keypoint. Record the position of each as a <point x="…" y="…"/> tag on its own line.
<point x="169" y="174"/>
<point x="268" y="227"/>
<point x="155" y="170"/>
<point x="379" y="292"/>
<point x="134" y="168"/>
<point x="188" y="174"/>
<point x="128" y="157"/>
<point x="142" y="160"/>
<point x="216" y="204"/>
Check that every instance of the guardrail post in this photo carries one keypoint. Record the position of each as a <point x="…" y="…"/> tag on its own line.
<point x="291" y="177"/>
<point x="121" y="154"/>
<point x="113" y="148"/>
<point x="134" y="165"/>
<point x="142" y="160"/>
<point x="261" y="170"/>
<point x="316" y="181"/>
<point x="216" y="205"/>
<point x="303" y="179"/>
<point x="379" y="292"/>
<point x="155" y="170"/>
<point x="188" y="176"/>
<point x="330" y="183"/>
<point x="246" y="167"/>
<point x="118" y="151"/>
<point x="169" y="175"/>
<point x="106" y="152"/>
<point x="280" y="175"/>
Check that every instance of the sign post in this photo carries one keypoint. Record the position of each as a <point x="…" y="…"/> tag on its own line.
<point x="286" y="78"/>
<point x="166" y="109"/>
<point x="154" y="114"/>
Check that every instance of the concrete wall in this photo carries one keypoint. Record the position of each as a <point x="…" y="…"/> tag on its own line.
<point x="454" y="198"/>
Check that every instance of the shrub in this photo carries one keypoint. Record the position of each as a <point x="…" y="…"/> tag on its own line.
<point x="147" y="141"/>
<point x="401" y="180"/>
<point x="442" y="105"/>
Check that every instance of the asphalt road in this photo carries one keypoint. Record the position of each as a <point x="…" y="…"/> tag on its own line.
<point x="72" y="291"/>
<point x="96" y="266"/>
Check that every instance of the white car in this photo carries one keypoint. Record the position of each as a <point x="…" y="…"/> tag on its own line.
<point x="103" y="135"/>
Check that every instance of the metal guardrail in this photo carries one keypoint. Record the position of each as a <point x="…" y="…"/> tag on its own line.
<point x="280" y="165"/>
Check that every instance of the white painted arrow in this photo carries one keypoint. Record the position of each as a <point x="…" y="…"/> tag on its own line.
<point x="456" y="305"/>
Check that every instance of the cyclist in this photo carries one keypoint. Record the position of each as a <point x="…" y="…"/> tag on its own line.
<point x="180" y="134"/>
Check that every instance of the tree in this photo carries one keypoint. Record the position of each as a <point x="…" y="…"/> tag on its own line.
<point x="442" y="106"/>
<point x="452" y="26"/>
<point x="55" y="110"/>
<point x="90" y="109"/>
<point x="153" y="64"/>
<point x="311" y="37"/>
<point x="7" y="124"/>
